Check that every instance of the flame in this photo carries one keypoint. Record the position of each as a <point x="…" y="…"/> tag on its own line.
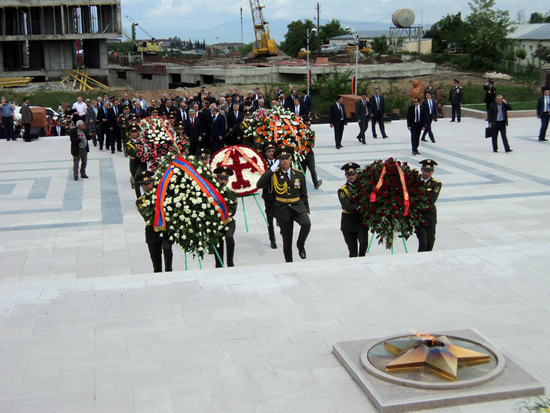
<point x="426" y="338"/>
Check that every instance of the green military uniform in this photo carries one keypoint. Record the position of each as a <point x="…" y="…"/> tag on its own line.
<point x="456" y="97"/>
<point x="426" y="232"/>
<point x="351" y="223"/>
<point x="157" y="242"/>
<point x="269" y="197"/>
<point x="137" y="166"/>
<point x="231" y="225"/>
<point x="123" y="122"/>
<point x="290" y="203"/>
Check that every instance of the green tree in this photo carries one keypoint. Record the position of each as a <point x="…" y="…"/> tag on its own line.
<point x="331" y="29"/>
<point x="539" y="18"/>
<point x="447" y="32"/>
<point x="380" y="45"/>
<point x="487" y="31"/>
<point x="543" y="54"/>
<point x="120" y="47"/>
<point x="246" y="49"/>
<point x="296" y="37"/>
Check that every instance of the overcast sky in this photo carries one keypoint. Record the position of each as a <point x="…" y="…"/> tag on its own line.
<point x="211" y="19"/>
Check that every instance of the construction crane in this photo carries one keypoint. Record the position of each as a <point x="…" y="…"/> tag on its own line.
<point x="148" y="47"/>
<point x="264" y="45"/>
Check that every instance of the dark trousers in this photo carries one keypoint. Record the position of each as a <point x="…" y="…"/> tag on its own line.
<point x="82" y="158"/>
<point x="500" y="126"/>
<point x="355" y="239"/>
<point x="156" y="250"/>
<point x="230" y="242"/>
<point x="456" y="111"/>
<point x="380" y="120"/>
<point x="116" y="138"/>
<point x="269" y="217"/>
<point x="426" y="237"/>
<point x="543" y="125"/>
<point x="309" y="163"/>
<point x="136" y="168"/>
<point x="338" y="133"/>
<point x="416" y="129"/>
<point x="287" y="229"/>
<point x="363" y="126"/>
<point x="102" y="131"/>
<point x="7" y="124"/>
<point x="428" y="131"/>
<point x="27" y="134"/>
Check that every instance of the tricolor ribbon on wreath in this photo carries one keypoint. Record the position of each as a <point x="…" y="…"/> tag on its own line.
<point x="406" y="198"/>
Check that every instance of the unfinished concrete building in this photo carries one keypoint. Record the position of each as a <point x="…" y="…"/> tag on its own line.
<point x="40" y="38"/>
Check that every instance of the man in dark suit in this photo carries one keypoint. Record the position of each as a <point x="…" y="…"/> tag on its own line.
<point x="498" y="120"/>
<point x="103" y="130"/>
<point x="378" y="112"/>
<point x="58" y="129"/>
<point x="138" y="110"/>
<point x="291" y="201"/>
<point x="114" y="130"/>
<point x="194" y="132"/>
<point x="307" y="102"/>
<point x="543" y="113"/>
<point x="338" y="120"/>
<point x="415" y="123"/>
<point x="181" y="112"/>
<point x="91" y="120"/>
<point x="426" y="232"/>
<point x="299" y="109"/>
<point x="429" y="107"/>
<point x="363" y="110"/>
<point x="217" y="131"/>
<point x="234" y="119"/>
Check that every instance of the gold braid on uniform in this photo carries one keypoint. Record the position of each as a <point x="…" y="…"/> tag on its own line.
<point x="280" y="189"/>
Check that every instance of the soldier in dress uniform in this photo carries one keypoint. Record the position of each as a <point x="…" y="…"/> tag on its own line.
<point x="203" y="155"/>
<point x="222" y="176"/>
<point x="179" y="128"/>
<point x="123" y="122"/>
<point x="426" y="232"/>
<point x="456" y="96"/>
<point x="351" y="224"/>
<point x="490" y="94"/>
<point x="137" y="166"/>
<point x="291" y="202"/>
<point x="157" y="241"/>
<point x="172" y="118"/>
<point x="268" y="151"/>
<point x="247" y="140"/>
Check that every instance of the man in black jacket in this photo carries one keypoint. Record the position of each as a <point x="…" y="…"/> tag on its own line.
<point x="415" y="124"/>
<point x="363" y="111"/>
<point x="498" y="120"/>
<point x="338" y="120"/>
<point x="79" y="148"/>
<point x="378" y="112"/>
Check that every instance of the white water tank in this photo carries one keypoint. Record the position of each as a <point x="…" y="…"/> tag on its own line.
<point x="403" y="18"/>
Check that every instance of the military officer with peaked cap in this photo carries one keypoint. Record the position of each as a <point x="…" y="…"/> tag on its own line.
<point x="137" y="166"/>
<point x="426" y="231"/>
<point x="355" y="234"/>
<point x="268" y="151"/>
<point x="291" y="201"/>
<point x="158" y="242"/>
<point x="222" y="176"/>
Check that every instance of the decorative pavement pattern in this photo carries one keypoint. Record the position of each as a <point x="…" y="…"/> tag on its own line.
<point x="85" y="326"/>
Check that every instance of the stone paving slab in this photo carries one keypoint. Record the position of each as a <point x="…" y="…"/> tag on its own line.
<point x="85" y="326"/>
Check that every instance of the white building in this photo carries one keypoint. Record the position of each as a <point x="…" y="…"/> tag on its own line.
<point x="528" y="37"/>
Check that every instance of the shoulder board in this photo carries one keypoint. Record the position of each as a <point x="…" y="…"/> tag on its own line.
<point x="343" y="187"/>
<point x="435" y="181"/>
<point x="297" y="170"/>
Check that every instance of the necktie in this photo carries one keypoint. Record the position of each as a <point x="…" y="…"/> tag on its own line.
<point x="341" y="111"/>
<point x="377" y="102"/>
<point x="500" y="117"/>
<point x="430" y="105"/>
<point x="547" y="104"/>
<point x="417" y="115"/>
<point x="193" y="122"/>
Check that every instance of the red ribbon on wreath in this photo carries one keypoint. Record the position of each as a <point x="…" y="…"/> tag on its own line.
<point x="405" y="192"/>
<point x="378" y="185"/>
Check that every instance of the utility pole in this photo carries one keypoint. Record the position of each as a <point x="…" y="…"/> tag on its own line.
<point x="318" y="9"/>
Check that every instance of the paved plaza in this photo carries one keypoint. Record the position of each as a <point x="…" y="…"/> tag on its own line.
<point x="85" y="326"/>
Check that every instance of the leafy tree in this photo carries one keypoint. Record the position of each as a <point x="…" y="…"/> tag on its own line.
<point x="246" y="49"/>
<point x="539" y="18"/>
<point x="120" y="47"/>
<point x="447" y="32"/>
<point x="521" y="54"/>
<point x="542" y="53"/>
<point x="380" y="45"/>
<point x="331" y="29"/>
<point x="487" y="31"/>
<point x="296" y="37"/>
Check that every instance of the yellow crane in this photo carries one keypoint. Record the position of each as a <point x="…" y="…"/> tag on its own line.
<point x="264" y="45"/>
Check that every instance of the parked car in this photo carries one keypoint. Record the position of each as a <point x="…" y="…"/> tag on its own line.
<point x="49" y="112"/>
<point x="332" y="48"/>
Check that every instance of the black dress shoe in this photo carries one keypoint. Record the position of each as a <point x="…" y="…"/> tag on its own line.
<point x="84" y="176"/>
<point x="337" y="147"/>
<point x="358" y="138"/>
<point x="452" y="120"/>
<point x="495" y="150"/>
<point x="318" y="184"/>
<point x="423" y="140"/>
<point x="363" y="142"/>
<point x="76" y="178"/>
<point x="375" y="137"/>
<point x="543" y="140"/>
<point x="385" y="136"/>
<point x="273" y="245"/>
<point x="302" y="252"/>
<point x="509" y="150"/>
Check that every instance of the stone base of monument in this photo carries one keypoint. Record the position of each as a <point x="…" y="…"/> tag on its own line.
<point x="412" y="389"/>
